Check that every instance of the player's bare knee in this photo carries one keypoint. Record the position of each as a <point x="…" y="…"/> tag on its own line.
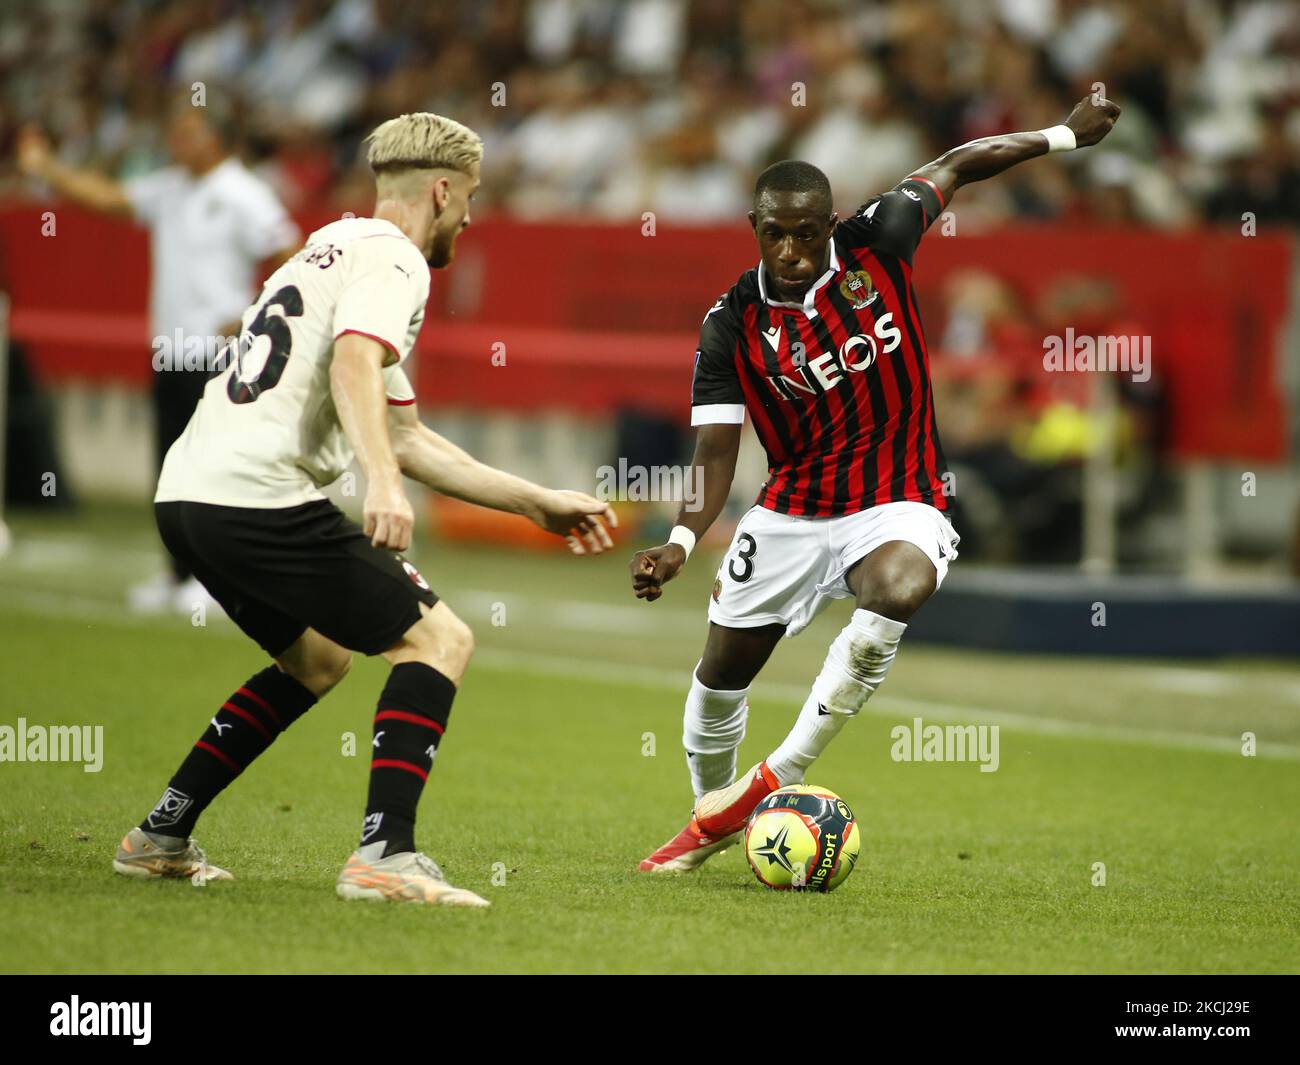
<point x="320" y="671"/>
<point x="317" y="663"/>
<point x="458" y="638"/>
<point x="724" y="676"/>
<point x="733" y="657"/>
<point x="440" y="640"/>
<point x="333" y="667"/>
<point x="901" y="590"/>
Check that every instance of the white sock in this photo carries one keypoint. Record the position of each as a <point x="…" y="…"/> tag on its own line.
<point x="713" y="729"/>
<point x="858" y="660"/>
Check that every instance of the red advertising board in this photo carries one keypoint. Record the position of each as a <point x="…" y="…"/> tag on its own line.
<point x="595" y="317"/>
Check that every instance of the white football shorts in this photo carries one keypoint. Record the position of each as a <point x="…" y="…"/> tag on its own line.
<point x="784" y="570"/>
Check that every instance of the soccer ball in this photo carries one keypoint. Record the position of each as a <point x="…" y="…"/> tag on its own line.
<point x="802" y="838"/>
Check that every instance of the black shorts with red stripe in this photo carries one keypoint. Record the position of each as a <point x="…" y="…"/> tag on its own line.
<point x="278" y="572"/>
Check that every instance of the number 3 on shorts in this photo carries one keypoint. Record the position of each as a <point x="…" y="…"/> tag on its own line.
<point x="742" y="566"/>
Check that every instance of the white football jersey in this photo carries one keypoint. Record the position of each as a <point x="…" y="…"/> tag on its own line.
<point x="207" y="235"/>
<point x="266" y="433"/>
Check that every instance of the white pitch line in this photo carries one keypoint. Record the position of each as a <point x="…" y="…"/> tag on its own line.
<point x="1192" y="681"/>
<point x="61" y="551"/>
<point x="57" y="604"/>
<point x="579" y="615"/>
<point x="883" y="705"/>
<point x="99" y="609"/>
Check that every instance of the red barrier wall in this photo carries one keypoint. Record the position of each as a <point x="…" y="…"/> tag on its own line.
<point x="594" y="317"/>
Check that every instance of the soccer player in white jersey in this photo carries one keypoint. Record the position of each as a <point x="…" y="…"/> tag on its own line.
<point x="316" y="379"/>
<point x="211" y="222"/>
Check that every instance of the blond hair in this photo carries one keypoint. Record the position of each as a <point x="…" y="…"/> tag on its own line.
<point x="423" y="141"/>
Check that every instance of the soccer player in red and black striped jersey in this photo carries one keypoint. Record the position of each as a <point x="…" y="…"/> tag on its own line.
<point x="822" y="345"/>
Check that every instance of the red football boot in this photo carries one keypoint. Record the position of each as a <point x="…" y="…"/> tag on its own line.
<point x="716" y="823"/>
<point x="687" y="850"/>
<point x="722" y="812"/>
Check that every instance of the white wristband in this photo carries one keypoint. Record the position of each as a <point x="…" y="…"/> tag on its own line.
<point x="683" y="537"/>
<point x="1059" y="139"/>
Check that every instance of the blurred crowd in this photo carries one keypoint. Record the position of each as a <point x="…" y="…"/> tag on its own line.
<point x="607" y="109"/>
<point x="1017" y="438"/>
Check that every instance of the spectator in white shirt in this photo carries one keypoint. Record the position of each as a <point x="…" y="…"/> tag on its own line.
<point x="212" y="222"/>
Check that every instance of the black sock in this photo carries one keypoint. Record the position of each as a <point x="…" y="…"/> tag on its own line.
<point x="412" y="716"/>
<point x="246" y="725"/>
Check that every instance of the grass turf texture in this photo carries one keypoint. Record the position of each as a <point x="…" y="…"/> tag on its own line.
<point x="543" y="783"/>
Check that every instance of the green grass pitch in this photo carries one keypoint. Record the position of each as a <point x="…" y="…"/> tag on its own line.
<point x="563" y="767"/>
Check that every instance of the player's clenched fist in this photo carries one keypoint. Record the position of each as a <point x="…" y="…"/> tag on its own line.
<point x="653" y="568"/>
<point x="389" y="518"/>
<point x="1092" y="119"/>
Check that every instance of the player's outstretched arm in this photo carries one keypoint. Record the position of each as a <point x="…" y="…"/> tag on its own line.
<point x="357" y="385"/>
<point x="97" y="191"/>
<point x="435" y="461"/>
<point x="716" y="448"/>
<point x="1092" y="118"/>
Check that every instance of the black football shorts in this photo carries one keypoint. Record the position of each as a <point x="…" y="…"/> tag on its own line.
<point x="278" y="572"/>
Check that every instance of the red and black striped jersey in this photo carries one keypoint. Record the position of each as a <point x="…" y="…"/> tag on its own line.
<point x="838" y="386"/>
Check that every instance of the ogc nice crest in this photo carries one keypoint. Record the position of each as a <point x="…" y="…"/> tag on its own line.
<point x="858" y="289"/>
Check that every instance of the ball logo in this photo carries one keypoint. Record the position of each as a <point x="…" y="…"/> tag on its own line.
<point x="415" y="576"/>
<point x="776" y="850"/>
<point x="845" y="812"/>
<point x="826" y="861"/>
